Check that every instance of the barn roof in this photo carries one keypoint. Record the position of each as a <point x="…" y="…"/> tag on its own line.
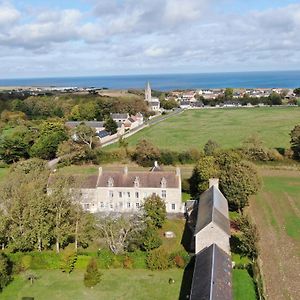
<point x="213" y="207"/>
<point x="212" y="275"/>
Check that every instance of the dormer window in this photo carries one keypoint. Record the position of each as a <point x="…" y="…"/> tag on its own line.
<point x="110" y="182"/>
<point x="163" y="183"/>
<point x="136" y="182"/>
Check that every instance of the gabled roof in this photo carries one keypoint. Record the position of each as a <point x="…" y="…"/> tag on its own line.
<point x="146" y="179"/>
<point x="213" y="208"/>
<point x="212" y="275"/>
<point x="93" y="124"/>
<point x="119" y="116"/>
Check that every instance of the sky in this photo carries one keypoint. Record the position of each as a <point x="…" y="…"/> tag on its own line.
<point x="117" y="37"/>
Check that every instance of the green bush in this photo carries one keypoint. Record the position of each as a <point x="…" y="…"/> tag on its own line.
<point x="158" y="259"/>
<point x="179" y="259"/>
<point x="151" y="239"/>
<point x="139" y="259"/>
<point x="128" y="263"/>
<point x="68" y="260"/>
<point x="92" y="275"/>
<point x="26" y="262"/>
<point x="5" y="270"/>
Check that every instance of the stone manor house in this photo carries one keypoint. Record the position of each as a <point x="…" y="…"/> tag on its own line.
<point x="124" y="191"/>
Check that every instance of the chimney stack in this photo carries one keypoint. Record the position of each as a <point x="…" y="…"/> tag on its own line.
<point x="214" y="182"/>
<point x="125" y="170"/>
<point x="178" y="172"/>
<point x="100" y="171"/>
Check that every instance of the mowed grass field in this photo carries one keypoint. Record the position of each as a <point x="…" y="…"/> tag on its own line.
<point x="228" y="127"/>
<point x="276" y="211"/>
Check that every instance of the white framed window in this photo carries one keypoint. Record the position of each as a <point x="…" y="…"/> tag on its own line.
<point x="137" y="205"/>
<point x="128" y="204"/>
<point x="163" y="193"/>
<point x="173" y="206"/>
<point x="120" y="194"/>
<point x="163" y="183"/>
<point x="111" y="194"/>
<point x="136" y="182"/>
<point x="111" y="205"/>
<point x="137" y="195"/>
<point x="128" y="194"/>
<point x="110" y="182"/>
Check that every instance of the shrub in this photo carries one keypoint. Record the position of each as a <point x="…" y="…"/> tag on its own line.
<point x="158" y="259"/>
<point x="68" y="260"/>
<point x="180" y="259"/>
<point x="185" y="185"/>
<point x="5" y="270"/>
<point x="26" y="261"/>
<point x="92" y="275"/>
<point x="128" y="263"/>
<point x="151" y="239"/>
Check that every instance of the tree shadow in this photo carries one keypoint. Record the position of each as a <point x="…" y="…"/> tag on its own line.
<point x="186" y="283"/>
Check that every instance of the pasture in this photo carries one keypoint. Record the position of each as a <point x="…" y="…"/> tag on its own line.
<point x="228" y="127"/>
<point x="276" y="211"/>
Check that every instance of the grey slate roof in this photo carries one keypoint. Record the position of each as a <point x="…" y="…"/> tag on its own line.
<point x="93" y="124"/>
<point x="119" y="116"/>
<point x="212" y="275"/>
<point x="146" y="179"/>
<point x="213" y="208"/>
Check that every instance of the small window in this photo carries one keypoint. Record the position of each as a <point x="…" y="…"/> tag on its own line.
<point x="120" y="194"/>
<point x="136" y="194"/>
<point x="136" y="182"/>
<point x="110" y="182"/>
<point x="173" y="206"/>
<point x="128" y="204"/>
<point x="128" y="194"/>
<point x="137" y="205"/>
<point x="111" y="194"/>
<point x="163" y="193"/>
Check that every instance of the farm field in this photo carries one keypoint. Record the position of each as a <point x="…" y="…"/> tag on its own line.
<point x="276" y="211"/>
<point x="228" y="127"/>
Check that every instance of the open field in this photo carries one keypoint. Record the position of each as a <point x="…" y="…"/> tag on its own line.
<point x="276" y="211"/>
<point x="229" y="127"/>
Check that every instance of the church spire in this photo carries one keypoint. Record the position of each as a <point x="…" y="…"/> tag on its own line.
<point x="148" y="95"/>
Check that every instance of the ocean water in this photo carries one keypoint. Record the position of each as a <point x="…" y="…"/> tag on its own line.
<point x="280" y="79"/>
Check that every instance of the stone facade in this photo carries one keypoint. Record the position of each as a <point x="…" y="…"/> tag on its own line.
<point x="124" y="191"/>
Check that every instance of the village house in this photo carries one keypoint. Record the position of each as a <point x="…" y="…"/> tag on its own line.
<point x="124" y="191"/>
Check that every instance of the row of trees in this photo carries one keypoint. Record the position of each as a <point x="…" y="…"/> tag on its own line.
<point x="75" y="107"/>
<point x="38" y="212"/>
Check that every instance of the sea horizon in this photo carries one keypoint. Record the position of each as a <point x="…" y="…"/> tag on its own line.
<point x="165" y="82"/>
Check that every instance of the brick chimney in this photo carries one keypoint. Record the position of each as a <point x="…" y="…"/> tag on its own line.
<point x="214" y="182"/>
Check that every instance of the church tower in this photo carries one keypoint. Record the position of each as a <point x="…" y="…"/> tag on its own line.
<point x="148" y="95"/>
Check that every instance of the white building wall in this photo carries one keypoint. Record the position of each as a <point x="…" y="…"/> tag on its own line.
<point x="209" y="235"/>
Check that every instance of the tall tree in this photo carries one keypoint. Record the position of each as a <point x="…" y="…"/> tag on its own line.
<point x="111" y="125"/>
<point x="154" y="211"/>
<point x="146" y="153"/>
<point x="84" y="134"/>
<point x="295" y="141"/>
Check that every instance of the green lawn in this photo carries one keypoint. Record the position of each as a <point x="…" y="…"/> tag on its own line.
<point x="229" y="127"/>
<point x="3" y="172"/>
<point x="116" y="284"/>
<point x="243" y="286"/>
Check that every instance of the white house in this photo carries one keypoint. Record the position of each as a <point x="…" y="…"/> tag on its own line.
<point x="124" y="191"/>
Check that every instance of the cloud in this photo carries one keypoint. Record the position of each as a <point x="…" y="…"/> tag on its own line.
<point x="149" y="36"/>
<point x="8" y="14"/>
